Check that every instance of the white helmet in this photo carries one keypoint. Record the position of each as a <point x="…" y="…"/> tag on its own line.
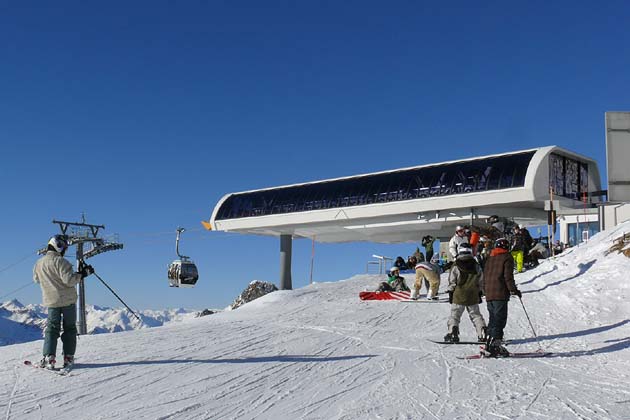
<point x="394" y="268"/>
<point x="458" y="228"/>
<point x="59" y="243"/>
<point x="464" y="249"/>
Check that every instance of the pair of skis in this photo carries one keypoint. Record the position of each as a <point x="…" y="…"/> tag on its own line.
<point x="481" y="355"/>
<point x="64" y="371"/>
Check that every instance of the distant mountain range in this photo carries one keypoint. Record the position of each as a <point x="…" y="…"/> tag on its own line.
<point x="21" y="323"/>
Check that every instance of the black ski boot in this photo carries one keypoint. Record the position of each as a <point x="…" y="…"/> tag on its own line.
<point x="453" y="336"/>
<point x="483" y="338"/>
<point x="494" y="348"/>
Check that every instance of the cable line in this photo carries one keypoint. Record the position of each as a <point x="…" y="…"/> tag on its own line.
<point x="16" y="290"/>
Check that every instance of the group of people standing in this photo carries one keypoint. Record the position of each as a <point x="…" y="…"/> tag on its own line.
<point x="481" y="266"/>
<point x="486" y="271"/>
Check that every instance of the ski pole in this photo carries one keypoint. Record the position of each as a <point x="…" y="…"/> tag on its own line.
<point x="530" y="323"/>
<point x="118" y="297"/>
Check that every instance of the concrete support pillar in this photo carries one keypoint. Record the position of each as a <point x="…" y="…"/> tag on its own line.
<point x="286" y="242"/>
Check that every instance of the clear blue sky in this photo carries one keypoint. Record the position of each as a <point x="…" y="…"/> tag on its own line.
<point x="144" y="114"/>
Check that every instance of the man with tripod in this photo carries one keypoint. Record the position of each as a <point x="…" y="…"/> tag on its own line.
<point x="58" y="281"/>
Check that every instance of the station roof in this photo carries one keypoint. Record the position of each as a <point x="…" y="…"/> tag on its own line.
<point x="402" y="205"/>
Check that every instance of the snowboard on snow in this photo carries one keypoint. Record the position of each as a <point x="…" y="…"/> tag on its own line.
<point x="425" y="300"/>
<point x="384" y="295"/>
<point x="399" y="296"/>
<point x="57" y="371"/>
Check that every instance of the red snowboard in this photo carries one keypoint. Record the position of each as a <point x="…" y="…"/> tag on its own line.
<point x="384" y="295"/>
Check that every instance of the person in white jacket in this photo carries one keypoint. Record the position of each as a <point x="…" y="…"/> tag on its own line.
<point x="457" y="239"/>
<point x="58" y="282"/>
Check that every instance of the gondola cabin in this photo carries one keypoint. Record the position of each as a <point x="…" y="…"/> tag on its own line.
<point x="182" y="274"/>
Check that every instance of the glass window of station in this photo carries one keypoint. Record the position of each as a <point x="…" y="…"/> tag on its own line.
<point x="500" y="172"/>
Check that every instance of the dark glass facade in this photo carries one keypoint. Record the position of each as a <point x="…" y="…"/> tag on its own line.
<point x="568" y="177"/>
<point x="485" y="174"/>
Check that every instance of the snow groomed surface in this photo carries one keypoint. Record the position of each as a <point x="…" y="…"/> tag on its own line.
<point x="321" y="353"/>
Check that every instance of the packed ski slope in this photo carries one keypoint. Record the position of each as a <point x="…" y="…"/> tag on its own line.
<point x="320" y="353"/>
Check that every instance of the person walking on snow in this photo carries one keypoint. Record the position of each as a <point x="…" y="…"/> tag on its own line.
<point x="465" y="289"/>
<point x="58" y="283"/>
<point x="498" y="286"/>
<point x="458" y="238"/>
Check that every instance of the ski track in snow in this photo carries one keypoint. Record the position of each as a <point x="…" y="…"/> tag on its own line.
<point x="320" y="353"/>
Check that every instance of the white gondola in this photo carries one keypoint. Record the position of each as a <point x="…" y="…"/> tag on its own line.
<point x="182" y="272"/>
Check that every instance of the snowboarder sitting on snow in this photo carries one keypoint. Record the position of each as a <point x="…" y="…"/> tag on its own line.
<point x="430" y="273"/>
<point x="58" y="282"/>
<point x="465" y="288"/>
<point x="411" y="262"/>
<point x="394" y="283"/>
<point x="498" y="286"/>
<point x="400" y="263"/>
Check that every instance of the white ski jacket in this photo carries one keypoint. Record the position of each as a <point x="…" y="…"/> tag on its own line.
<point x="454" y="244"/>
<point x="57" y="279"/>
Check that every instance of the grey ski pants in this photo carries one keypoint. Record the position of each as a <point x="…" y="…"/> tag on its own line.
<point x="53" y="330"/>
<point x="473" y="313"/>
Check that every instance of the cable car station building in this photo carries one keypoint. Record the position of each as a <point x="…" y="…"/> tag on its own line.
<point x="403" y="205"/>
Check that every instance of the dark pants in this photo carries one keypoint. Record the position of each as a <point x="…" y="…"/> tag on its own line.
<point x="53" y="329"/>
<point x="498" y="311"/>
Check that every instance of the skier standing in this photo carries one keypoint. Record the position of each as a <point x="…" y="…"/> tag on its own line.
<point x="465" y="288"/>
<point x="518" y="248"/>
<point x="427" y="243"/>
<point x="58" y="283"/>
<point x="457" y="239"/>
<point x="498" y="286"/>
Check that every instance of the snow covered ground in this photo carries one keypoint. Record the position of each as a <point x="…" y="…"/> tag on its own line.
<point x="321" y="353"/>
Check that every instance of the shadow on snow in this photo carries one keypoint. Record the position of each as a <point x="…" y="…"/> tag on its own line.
<point x="267" y="359"/>
<point x="584" y="267"/>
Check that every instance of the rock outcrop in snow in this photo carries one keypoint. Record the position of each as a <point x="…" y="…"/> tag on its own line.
<point x="253" y="291"/>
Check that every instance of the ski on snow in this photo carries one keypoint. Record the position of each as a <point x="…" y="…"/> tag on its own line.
<point x="515" y="355"/>
<point x="459" y="342"/>
<point x="57" y="371"/>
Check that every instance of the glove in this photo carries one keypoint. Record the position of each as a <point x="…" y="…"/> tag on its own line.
<point x="85" y="270"/>
<point x="480" y="295"/>
<point x="450" y="296"/>
<point x="517" y="293"/>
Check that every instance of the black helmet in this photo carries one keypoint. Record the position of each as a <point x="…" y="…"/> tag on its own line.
<point x="492" y="219"/>
<point x="502" y="243"/>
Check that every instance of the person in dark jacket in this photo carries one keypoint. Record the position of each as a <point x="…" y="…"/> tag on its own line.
<point x="427" y="243"/>
<point x="465" y="288"/>
<point x="400" y="263"/>
<point x="518" y="248"/>
<point x="498" y="286"/>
